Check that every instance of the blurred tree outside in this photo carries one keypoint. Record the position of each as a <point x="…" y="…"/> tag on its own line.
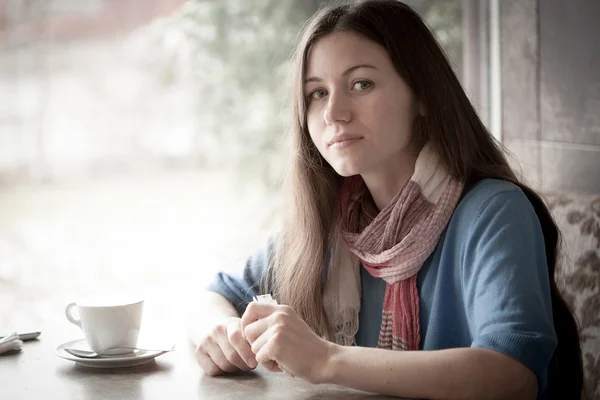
<point x="236" y="54"/>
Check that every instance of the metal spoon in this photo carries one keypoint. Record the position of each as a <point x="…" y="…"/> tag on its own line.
<point x="92" y="354"/>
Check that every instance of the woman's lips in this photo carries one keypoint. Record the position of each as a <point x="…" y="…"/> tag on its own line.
<point x="343" y="141"/>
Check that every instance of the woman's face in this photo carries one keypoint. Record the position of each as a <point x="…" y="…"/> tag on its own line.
<point x="360" y="111"/>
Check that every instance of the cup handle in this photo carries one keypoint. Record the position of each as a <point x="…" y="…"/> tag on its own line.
<point x="69" y="314"/>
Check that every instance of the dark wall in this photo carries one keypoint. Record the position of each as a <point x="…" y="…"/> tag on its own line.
<point x="551" y="91"/>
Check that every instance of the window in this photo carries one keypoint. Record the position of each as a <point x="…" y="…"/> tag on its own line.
<point x="140" y="140"/>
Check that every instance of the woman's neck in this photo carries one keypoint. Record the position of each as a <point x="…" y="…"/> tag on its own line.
<point x="385" y="183"/>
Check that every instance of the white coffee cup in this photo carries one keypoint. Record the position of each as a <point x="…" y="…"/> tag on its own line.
<point x="108" y="324"/>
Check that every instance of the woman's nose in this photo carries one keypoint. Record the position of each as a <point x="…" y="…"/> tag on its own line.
<point x="338" y="110"/>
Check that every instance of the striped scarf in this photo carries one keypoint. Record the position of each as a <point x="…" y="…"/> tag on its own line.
<point x="393" y="243"/>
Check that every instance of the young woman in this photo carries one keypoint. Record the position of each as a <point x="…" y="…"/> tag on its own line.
<point x="413" y="261"/>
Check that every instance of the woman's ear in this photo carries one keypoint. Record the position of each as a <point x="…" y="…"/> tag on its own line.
<point x="422" y="111"/>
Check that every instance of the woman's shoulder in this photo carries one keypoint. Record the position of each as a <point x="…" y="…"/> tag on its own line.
<point x="489" y="196"/>
<point x="495" y="214"/>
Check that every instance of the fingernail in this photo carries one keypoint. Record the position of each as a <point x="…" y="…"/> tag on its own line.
<point x="252" y="363"/>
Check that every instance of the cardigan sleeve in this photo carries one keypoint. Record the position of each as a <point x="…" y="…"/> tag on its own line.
<point x="506" y="284"/>
<point x="241" y="286"/>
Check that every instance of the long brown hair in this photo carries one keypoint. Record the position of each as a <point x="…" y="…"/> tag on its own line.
<point x="455" y="131"/>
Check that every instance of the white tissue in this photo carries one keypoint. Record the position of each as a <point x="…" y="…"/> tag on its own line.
<point x="10" y="342"/>
<point x="265" y="298"/>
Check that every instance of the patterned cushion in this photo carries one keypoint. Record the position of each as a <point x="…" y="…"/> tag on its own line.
<point x="578" y="275"/>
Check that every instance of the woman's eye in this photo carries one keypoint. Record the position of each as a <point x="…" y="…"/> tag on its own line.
<point x="362" y="85"/>
<point x="318" y="94"/>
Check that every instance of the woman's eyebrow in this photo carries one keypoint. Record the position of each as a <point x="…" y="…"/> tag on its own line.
<point x="344" y="74"/>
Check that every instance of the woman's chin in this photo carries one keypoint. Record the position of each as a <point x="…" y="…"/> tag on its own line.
<point x="347" y="171"/>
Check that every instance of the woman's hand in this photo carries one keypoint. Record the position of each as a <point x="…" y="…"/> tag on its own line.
<point x="225" y="349"/>
<point x="280" y="338"/>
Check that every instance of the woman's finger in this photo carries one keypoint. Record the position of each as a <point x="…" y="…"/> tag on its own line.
<point x="256" y="311"/>
<point x="264" y="355"/>
<point x="271" y="366"/>
<point x="231" y="354"/>
<point x="206" y="363"/>
<point x="239" y="343"/>
<point x="216" y="354"/>
<point x="256" y="329"/>
<point x="261" y="341"/>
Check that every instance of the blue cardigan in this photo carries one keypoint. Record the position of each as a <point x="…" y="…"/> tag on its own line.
<point x="485" y="285"/>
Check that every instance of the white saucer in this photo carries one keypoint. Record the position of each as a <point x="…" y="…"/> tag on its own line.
<point x="137" y="357"/>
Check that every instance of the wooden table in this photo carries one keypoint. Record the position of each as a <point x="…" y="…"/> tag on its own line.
<point x="37" y="373"/>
